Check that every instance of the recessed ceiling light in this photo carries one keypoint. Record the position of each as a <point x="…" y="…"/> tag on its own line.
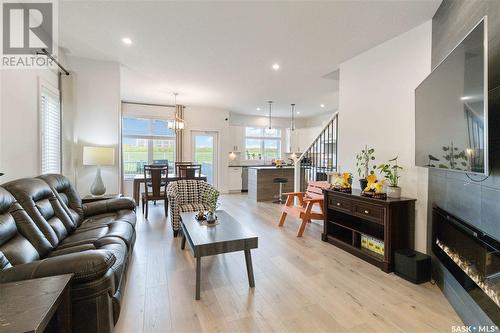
<point x="276" y="66"/>
<point x="298" y="112"/>
<point x="322" y="106"/>
<point x="258" y="109"/>
<point x="126" y="41"/>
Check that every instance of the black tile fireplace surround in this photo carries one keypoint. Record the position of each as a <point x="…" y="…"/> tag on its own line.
<point x="472" y="258"/>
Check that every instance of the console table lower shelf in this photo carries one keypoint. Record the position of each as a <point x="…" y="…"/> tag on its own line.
<point x="370" y="229"/>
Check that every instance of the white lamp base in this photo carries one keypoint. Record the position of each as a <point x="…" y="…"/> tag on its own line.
<point x="98" y="189"/>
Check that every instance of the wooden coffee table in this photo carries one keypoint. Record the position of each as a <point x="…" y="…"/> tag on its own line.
<point x="227" y="236"/>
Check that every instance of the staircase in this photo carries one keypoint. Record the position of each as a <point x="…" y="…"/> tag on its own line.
<point x="320" y="159"/>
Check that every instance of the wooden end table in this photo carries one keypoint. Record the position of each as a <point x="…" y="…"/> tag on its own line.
<point x="227" y="236"/>
<point x="29" y="305"/>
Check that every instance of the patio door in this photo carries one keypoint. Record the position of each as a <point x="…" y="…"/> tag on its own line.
<point x="204" y="152"/>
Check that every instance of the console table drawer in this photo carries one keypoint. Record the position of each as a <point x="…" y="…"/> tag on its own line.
<point x="339" y="204"/>
<point x="369" y="212"/>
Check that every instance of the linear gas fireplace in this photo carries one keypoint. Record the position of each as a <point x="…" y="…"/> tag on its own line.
<point x="472" y="257"/>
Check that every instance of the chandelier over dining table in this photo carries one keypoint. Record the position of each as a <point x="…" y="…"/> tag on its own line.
<point x="177" y="123"/>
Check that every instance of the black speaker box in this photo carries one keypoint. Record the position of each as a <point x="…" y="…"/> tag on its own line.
<point x="412" y="265"/>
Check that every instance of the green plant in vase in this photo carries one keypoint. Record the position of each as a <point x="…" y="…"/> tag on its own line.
<point x="391" y="173"/>
<point x="212" y="202"/>
<point x="363" y="161"/>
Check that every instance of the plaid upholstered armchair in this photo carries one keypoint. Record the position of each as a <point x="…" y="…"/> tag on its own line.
<point x="186" y="196"/>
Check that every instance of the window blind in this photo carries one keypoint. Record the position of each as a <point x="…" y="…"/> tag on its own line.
<point x="50" y="131"/>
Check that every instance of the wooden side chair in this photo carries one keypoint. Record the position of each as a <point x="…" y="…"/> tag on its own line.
<point x="156" y="186"/>
<point x="307" y="200"/>
<point x="178" y="164"/>
<point x="189" y="171"/>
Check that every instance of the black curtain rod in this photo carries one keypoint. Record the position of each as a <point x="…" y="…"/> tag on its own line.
<point x="149" y="104"/>
<point x="46" y="53"/>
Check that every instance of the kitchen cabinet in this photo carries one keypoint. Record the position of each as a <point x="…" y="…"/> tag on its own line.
<point x="235" y="180"/>
<point x="237" y="135"/>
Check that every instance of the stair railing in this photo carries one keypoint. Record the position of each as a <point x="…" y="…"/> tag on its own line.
<point x="320" y="158"/>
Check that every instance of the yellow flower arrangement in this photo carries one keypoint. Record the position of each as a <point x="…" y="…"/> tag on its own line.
<point x="346" y="180"/>
<point x="374" y="185"/>
<point x="341" y="181"/>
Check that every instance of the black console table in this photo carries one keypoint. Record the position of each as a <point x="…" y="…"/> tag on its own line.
<point x="349" y="216"/>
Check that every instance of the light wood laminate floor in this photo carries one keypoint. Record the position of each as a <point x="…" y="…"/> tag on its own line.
<point x="302" y="284"/>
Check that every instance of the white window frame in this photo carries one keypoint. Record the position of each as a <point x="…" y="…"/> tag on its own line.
<point x="45" y="88"/>
<point x="150" y="139"/>
<point x="263" y="139"/>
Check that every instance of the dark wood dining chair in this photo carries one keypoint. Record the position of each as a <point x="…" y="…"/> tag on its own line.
<point x="178" y="164"/>
<point x="189" y="171"/>
<point x="155" y="178"/>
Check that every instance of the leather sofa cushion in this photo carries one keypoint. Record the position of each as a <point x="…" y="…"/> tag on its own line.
<point x="86" y="266"/>
<point x="28" y="229"/>
<point x="123" y="230"/>
<point x="15" y="248"/>
<point x="35" y="196"/>
<point x="4" y="262"/>
<point x="123" y="215"/>
<point x="66" y="193"/>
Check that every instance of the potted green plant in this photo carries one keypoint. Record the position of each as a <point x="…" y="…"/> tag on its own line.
<point x="391" y="173"/>
<point x="363" y="164"/>
<point x="212" y="202"/>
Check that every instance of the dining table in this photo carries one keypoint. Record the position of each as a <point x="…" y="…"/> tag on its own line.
<point x="172" y="177"/>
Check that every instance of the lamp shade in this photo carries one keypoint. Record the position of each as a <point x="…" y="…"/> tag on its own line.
<point x="98" y="156"/>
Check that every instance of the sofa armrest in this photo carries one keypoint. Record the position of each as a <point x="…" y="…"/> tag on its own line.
<point x="108" y="206"/>
<point x="86" y="266"/>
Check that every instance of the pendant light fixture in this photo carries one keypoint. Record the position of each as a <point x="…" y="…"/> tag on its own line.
<point x="270" y="114"/>
<point x="292" y="124"/>
<point x="178" y="122"/>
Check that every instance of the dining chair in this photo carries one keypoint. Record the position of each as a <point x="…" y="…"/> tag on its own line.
<point x="155" y="178"/>
<point x="189" y="171"/>
<point x="178" y="164"/>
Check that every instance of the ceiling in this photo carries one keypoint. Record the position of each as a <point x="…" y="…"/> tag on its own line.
<point x="219" y="54"/>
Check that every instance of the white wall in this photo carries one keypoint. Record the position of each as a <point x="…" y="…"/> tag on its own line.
<point x="93" y="99"/>
<point x="19" y="121"/>
<point x="214" y="120"/>
<point x="152" y="111"/>
<point x="377" y="108"/>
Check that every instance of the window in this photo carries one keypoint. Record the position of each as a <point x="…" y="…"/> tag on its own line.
<point x="263" y="144"/>
<point x="146" y="141"/>
<point x="50" y="130"/>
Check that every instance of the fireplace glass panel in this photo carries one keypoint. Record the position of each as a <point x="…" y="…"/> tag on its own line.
<point x="472" y="257"/>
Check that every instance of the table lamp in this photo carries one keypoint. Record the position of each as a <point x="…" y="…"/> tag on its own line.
<point x="98" y="156"/>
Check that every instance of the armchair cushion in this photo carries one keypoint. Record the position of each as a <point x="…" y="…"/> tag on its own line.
<point x="86" y="266"/>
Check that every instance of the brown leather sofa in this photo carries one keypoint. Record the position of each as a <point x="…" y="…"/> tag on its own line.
<point x="45" y="230"/>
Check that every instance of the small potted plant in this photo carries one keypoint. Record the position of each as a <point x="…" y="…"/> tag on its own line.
<point x="391" y="173"/>
<point x="212" y="202"/>
<point x="363" y="164"/>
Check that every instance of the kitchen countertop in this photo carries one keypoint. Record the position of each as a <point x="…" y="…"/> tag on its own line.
<point x="271" y="167"/>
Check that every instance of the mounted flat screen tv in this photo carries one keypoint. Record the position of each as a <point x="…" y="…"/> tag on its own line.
<point x="451" y="109"/>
